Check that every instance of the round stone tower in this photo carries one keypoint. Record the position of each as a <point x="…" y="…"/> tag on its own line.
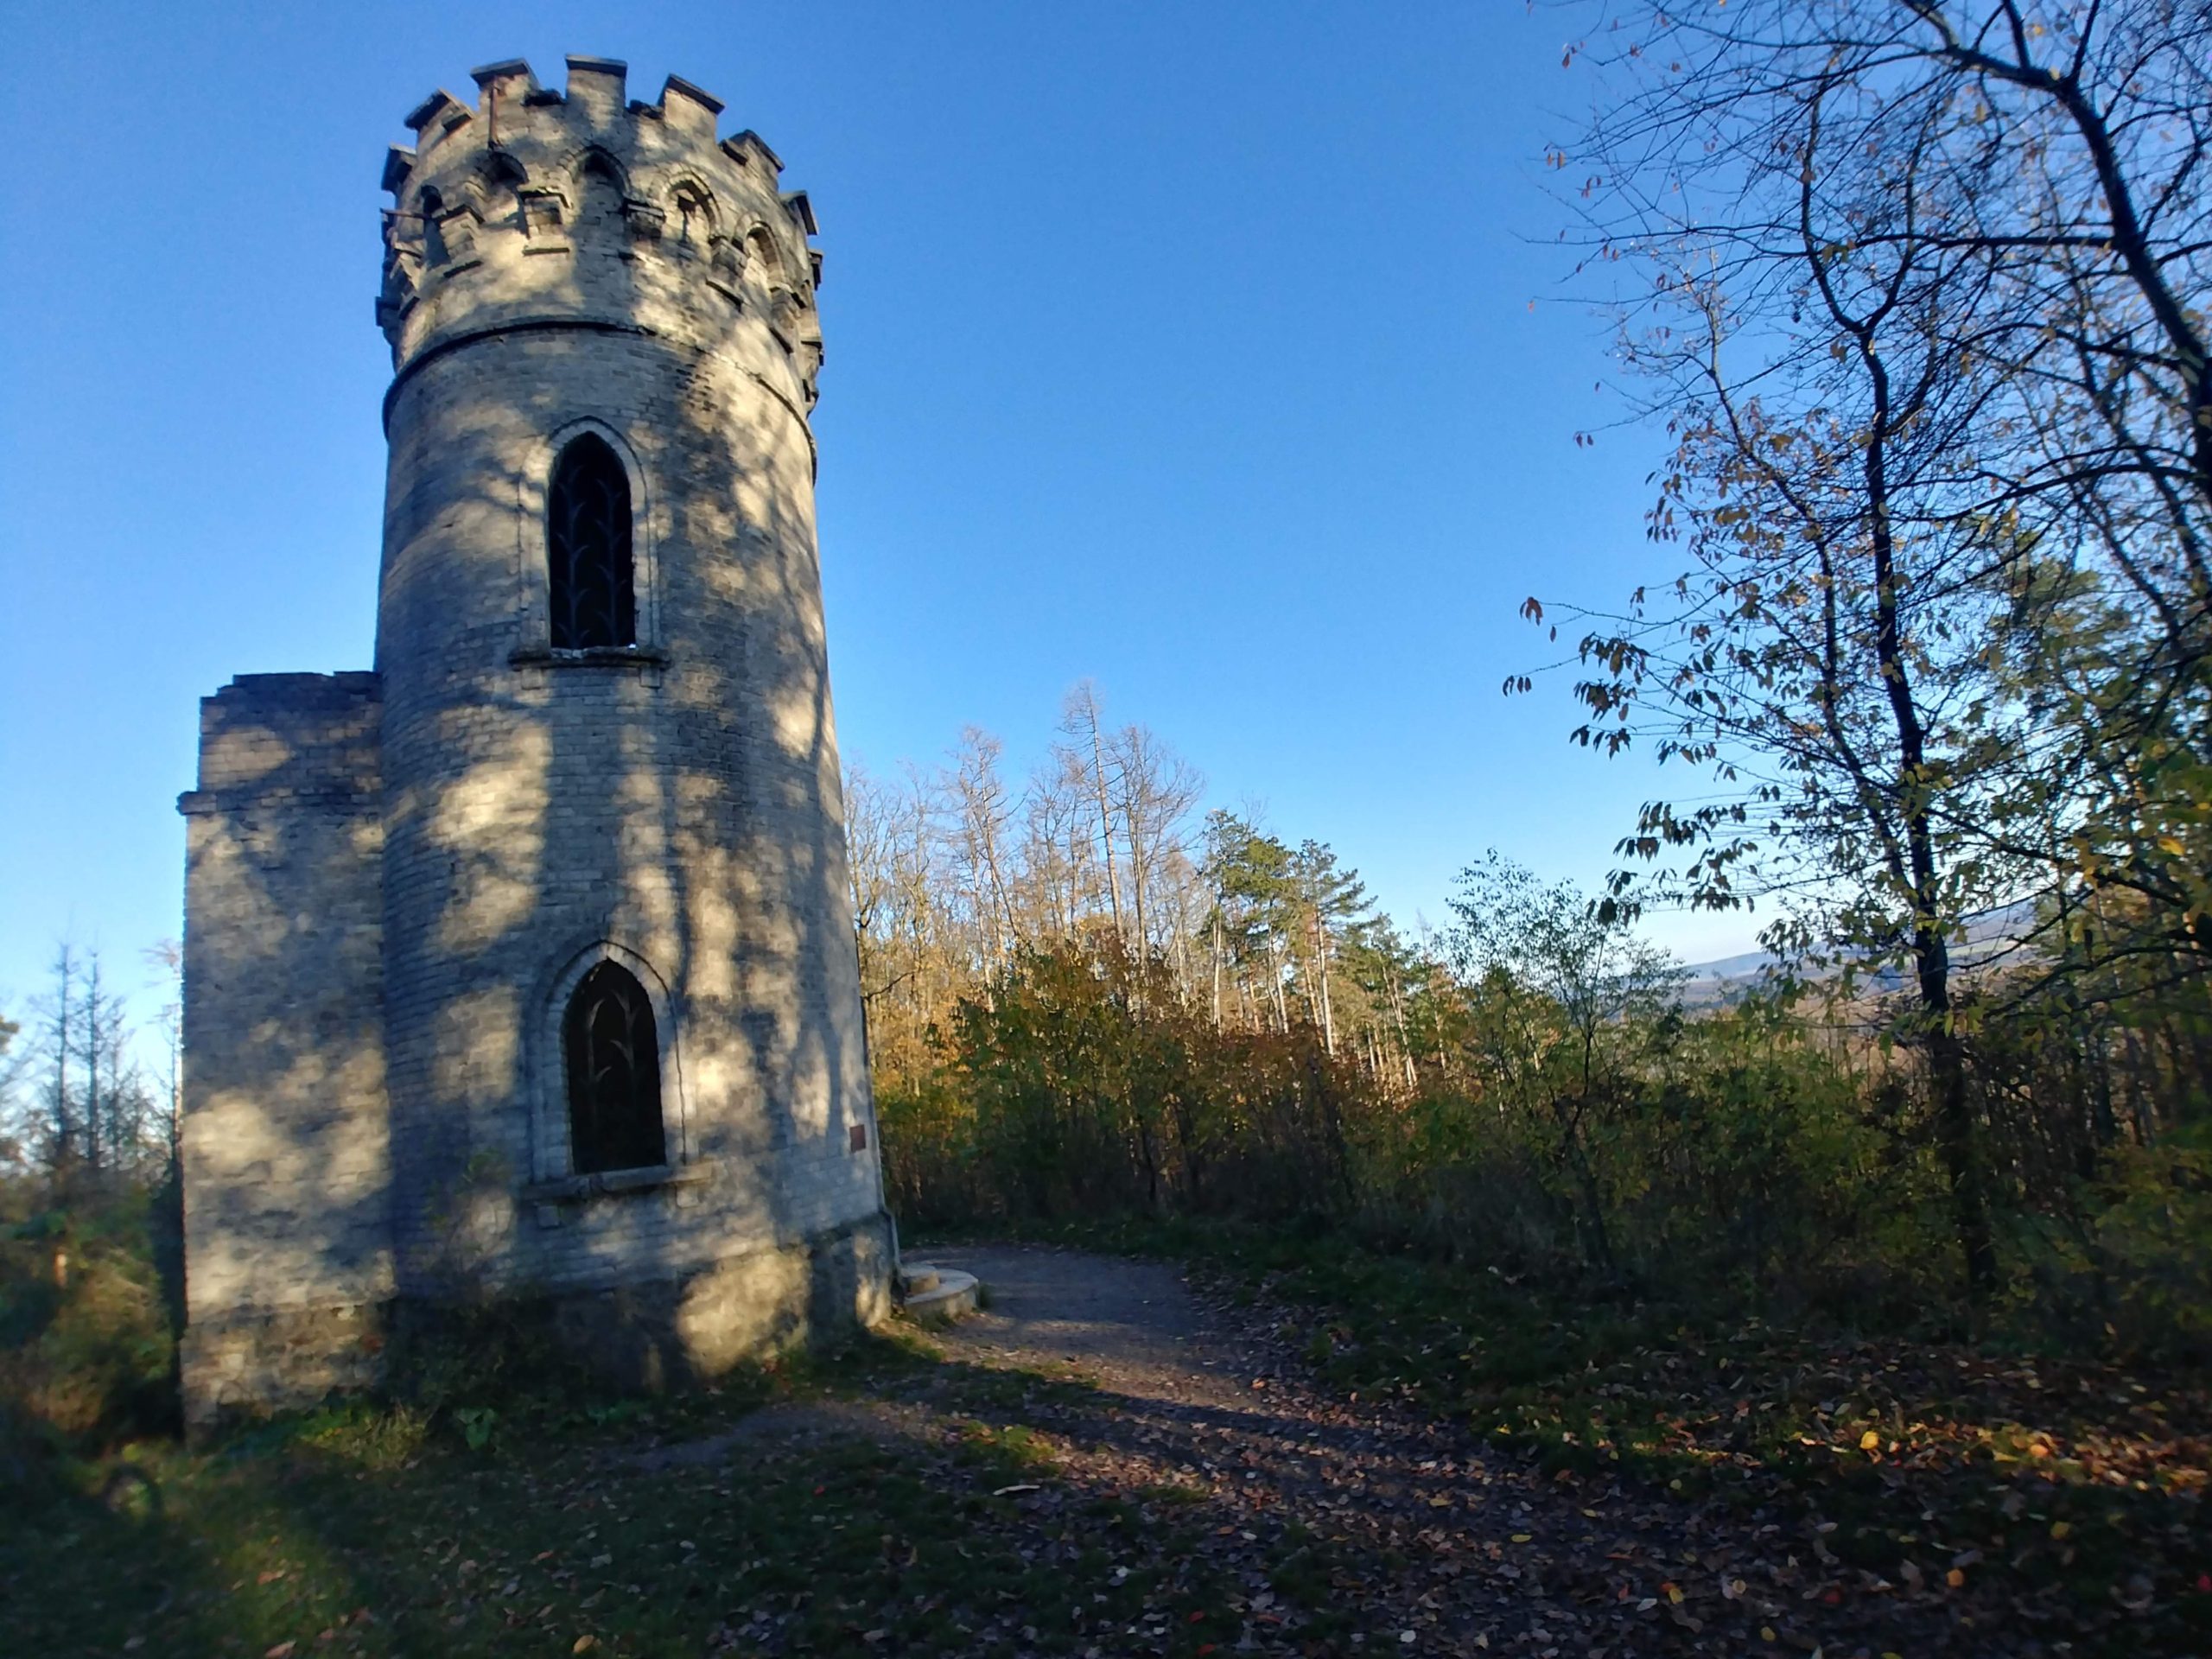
<point x="622" y="1033"/>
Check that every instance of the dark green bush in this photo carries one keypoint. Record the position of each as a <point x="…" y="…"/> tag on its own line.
<point x="88" y="1319"/>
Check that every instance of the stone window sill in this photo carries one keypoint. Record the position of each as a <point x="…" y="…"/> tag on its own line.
<point x="589" y="656"/>
<point x="647" y="1179"/>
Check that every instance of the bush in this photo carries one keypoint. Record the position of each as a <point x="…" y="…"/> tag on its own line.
<point x="1729" y="1153"/>
<point x="87" y="1317"/>
<point x="2130" y="1266"/>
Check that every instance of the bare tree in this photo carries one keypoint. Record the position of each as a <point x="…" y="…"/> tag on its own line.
<point x="1155" y="790"/>
<point x="167" y="957"/>
<point x="1917" y="286"/>
<point x="1086" y="752"/>
<point x="982" y="810"/>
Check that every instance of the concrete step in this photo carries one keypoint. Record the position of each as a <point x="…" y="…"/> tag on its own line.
<point x="916" y="1278"/>
<point x="951" y="1295"/>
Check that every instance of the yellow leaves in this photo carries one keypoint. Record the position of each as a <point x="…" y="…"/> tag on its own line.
<point x="1673" y="1591"/>
<point x="1956" y="1577"/>
<point x="1524" y="1537"/>
<point x="2060" y="1528"/>
<point x="1870" y="1441"/>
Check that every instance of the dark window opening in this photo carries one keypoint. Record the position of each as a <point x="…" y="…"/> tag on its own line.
<point x="434" y="235"/>
<point x="614" y="1059"/>
<point x="593" y="584"/>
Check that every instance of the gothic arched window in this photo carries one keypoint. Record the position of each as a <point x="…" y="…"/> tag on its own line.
<point x="613" y="1064"/>
<point x="593" y="583"/>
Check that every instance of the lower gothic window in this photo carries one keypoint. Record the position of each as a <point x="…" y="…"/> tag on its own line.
<point x="592" y="582"/>
<point x="613" y="1061"/>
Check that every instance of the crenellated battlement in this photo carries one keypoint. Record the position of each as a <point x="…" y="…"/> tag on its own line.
<point x="537" y="206"/>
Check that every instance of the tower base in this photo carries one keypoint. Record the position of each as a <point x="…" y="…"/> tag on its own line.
<point x="648" y="1336"/>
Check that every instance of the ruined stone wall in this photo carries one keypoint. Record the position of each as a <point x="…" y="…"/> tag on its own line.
<point x="286" y="1153"/>
<point x="611" y="268"/>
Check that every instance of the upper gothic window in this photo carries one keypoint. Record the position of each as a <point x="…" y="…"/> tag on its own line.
<point x="613" y="1064"/>
<point x="592" y="583"/>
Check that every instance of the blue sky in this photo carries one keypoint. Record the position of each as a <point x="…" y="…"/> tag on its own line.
<point x="1190" y="348"/>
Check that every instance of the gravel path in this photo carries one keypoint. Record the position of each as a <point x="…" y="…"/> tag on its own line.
<point x="1435" y="1543"/>
<point x="1134" y="1328"/>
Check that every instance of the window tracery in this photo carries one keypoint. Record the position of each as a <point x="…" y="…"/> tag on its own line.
<point x="592" y="576"/>
<point x="612" y="1049"/>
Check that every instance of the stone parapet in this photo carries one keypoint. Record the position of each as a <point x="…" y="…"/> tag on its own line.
<point x="539" y="209"/>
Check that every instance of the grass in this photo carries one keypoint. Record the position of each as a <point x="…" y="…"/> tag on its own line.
<point x="376" y="1531"/>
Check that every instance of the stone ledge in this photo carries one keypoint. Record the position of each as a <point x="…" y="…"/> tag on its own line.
<point x="589" y="656"/>
<point x="647" y="1179"/>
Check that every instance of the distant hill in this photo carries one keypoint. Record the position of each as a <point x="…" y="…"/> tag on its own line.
<point x="1725" y="978"/>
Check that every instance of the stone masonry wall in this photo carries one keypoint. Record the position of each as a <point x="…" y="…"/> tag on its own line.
<point x="609" y="268"/>
<point x="285" y="1141"/>
<point x="396" y="878"/>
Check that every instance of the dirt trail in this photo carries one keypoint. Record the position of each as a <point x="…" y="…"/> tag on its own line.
<point x="1436" y="1542"/>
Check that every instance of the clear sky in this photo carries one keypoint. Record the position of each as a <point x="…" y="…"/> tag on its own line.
<point x="1222" y="354"/>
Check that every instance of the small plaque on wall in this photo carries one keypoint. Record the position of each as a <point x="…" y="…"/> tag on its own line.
<point x="860" y="1137"/>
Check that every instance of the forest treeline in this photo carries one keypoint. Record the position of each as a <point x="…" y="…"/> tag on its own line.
<point x="1913" y="300"/>
<point x="1523" y="1089"/>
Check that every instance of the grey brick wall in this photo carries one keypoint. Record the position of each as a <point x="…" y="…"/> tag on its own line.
<point x="285" y="1146"/>
<point x="626" y="274"/>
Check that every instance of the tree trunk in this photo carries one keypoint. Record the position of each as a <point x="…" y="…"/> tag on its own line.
<point x="1321" y="961"/>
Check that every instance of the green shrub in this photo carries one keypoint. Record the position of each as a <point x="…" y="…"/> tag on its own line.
<point x="87" y="1331"/>
<point x="2130" y="1266"/>
<point x="1733" y="1153"/>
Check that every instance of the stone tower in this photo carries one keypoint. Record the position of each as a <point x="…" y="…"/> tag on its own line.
<point x="524" y="963"/>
